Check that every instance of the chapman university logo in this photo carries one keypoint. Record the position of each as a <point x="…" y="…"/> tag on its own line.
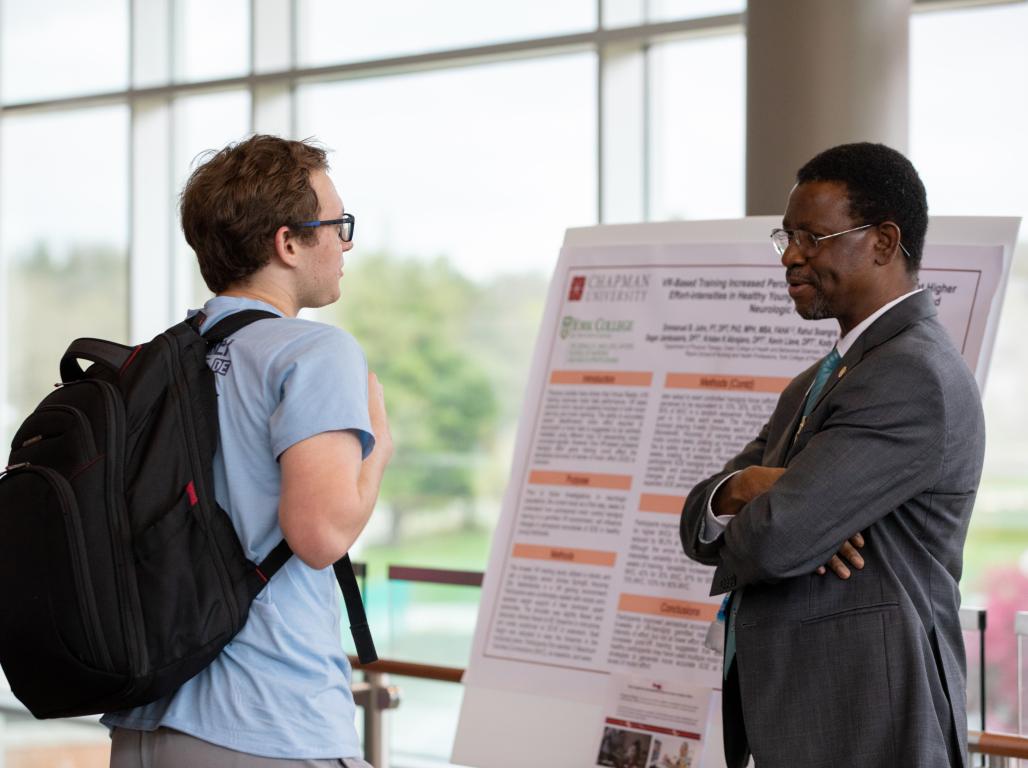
<point x="610" y="287"/>
<point x="577" y="288"/>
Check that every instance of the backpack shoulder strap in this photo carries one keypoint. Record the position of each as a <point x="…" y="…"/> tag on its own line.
<point x="275" y="559"/>
<point x="222" y="329"/>
<point x="351" y="596"/>
<point x="355" y="610"/>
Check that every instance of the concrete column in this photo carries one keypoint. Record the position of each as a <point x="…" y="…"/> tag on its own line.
<point x="820" y="73"/>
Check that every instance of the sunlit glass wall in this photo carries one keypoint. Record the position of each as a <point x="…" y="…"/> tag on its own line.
<point x="64" y="241"/>
<point x="466" y="137"/>
<point x="968" y="116"/>
<point x="697" y="128"/>
<point x="463" y="182"/>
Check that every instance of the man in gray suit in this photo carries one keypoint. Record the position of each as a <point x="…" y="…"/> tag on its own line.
<point x="879" y="445"/>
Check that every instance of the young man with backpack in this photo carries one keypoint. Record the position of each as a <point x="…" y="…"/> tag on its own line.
<point x="304" y="441"/>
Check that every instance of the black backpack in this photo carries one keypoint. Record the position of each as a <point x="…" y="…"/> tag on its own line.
<point x="122" y="578"/>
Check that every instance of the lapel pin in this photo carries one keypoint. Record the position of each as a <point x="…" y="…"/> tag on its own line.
<point x="842" y="371"/>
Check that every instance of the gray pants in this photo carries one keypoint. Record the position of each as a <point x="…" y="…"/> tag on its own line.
<point x="165" y="748"/>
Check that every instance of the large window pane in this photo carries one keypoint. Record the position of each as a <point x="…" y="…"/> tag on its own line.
<point x="624" y="13"/>
<point x="698" y="128"/>
<point x="968" y="118"/>
<point x="462" y="183"/>
<point x="64" y="226"/>
<point x="334" y="31"/>
<point x="203" y="122"/>
<point x="485" y="166"/>
<point x="62" y="48"/>
<point x="213" y="39"/>
<point x="668" y="10"/>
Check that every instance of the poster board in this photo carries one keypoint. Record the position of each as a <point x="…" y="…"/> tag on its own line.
<point x="662" y="351"/>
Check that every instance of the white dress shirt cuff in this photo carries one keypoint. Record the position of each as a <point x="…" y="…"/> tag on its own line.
<point x="714" y="525"/>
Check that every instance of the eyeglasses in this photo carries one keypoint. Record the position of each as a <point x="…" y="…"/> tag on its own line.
<point x="806" y="241"/>
<point x="346" y="225"/>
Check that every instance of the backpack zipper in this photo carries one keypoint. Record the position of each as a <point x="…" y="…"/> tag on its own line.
<point x="198" y="479"/>
<point x="120" y="528"/>
<point x="85" y="428"/>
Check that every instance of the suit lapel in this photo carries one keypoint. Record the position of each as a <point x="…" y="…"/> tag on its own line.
<point x="895" y="321"/>
<point x="781" y="442"/>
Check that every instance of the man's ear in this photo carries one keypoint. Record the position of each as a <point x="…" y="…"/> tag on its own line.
<point x="285" y="246"/>
<point x="887" y="245"/>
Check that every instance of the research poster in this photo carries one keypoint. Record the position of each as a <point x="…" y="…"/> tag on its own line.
<point x="662" y="352"/>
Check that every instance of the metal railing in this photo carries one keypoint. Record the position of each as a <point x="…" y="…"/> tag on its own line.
<point x="998" y="750"/>
<point x="377" y="696"/>
<point x="1001" y="750"/>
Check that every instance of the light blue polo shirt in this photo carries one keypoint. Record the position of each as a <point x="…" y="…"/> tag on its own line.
<point x="281" y="687"/>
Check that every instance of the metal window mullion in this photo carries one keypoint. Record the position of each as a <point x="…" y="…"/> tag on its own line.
<point x="622" y="131"/>
<point x="594" y="39"/>
<point x="131" y="256"/>
<point x="170" y="239"/>
<point x="294" y="63"/>
<point x="253" y="65"/>
<point x="272" y="107"/>
<point x="542" y="46"/>
<point x="601" y="165"/>
<point x="150" y="252"/>
<point x="647" y="124"/>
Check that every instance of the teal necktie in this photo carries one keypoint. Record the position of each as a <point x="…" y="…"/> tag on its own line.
<point x="824" y="372"/>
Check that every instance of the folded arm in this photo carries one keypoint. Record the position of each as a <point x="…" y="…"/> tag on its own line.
<point x="880" y="446"/>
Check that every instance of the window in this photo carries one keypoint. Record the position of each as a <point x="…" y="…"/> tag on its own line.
<point x="41" y="43"/>
<point x="203" y="122"/>
<point x="968" y="114"/>
<point x="463" y="171"/>
<point x="698" y="128"/>
<point x="64" y="240"/>
<point x="213" y="39"/>
<point x="333" y="31"/>
<point x="620" y="13"/>
<point x="462" y="183"/>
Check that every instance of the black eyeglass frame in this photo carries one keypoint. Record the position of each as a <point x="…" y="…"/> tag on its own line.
<point x="347" y="224"/>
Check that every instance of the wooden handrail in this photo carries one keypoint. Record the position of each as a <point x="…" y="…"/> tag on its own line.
<point x="411" y="669"/>
<point x="978" y="742"/>
<point x="435" y="576"/>
<point x="998" y="744"/>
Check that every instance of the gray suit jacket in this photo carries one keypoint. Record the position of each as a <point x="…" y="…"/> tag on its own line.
<point x="869" y="671"/>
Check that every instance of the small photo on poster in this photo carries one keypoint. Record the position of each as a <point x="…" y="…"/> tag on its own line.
<point x="622" y="748"/>
<point x="653" y="724"/>
<point x="671" y="752"/>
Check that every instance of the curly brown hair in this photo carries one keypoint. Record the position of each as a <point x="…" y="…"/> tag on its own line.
<point x="238" y="197"/>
